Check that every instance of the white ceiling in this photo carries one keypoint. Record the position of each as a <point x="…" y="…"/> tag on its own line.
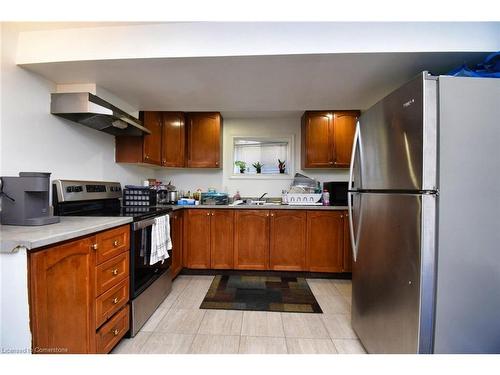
<point x="243" y="86"/>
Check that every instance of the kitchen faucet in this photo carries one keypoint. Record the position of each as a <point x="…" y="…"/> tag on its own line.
<point x="262" y="196"/>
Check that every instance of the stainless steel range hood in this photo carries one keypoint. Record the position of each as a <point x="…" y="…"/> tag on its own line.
<point x="94" y="112"/>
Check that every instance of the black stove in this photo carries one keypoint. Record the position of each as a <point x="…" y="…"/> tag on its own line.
<point x="149" y="283"/>
<point x="97" y="198"/>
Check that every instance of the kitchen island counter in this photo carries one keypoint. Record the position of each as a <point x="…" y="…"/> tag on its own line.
<point x="13" y="237"/>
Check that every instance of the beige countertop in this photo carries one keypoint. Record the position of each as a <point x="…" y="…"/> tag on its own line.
<point x="256" y="207"/>
<point x="31" y="237"/>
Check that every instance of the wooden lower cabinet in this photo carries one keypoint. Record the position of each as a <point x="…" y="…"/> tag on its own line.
<point x="251" y="239"/>
<point x="62" y="294"/>
<point x="197" y="239"/>
<point x="288" y="240"/>
<point x="325" y="241"/>
<point x="221" y="239"/>
<point x="176" y="230"/>
<point x="72" y="294"/>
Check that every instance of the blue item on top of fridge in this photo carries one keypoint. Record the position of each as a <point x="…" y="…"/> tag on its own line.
<point x="489" y="68"/>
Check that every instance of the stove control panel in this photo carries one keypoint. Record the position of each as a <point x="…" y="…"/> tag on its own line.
<point x="73" y="190"/>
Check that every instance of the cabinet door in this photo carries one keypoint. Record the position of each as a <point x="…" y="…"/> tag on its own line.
<point x="317" y="140"/>
<point x="204" y="139"/>
<point x="63" y="297"/>
<point x="197" y="238"/>
<point x="152" y="142"/>
<point x="251" y="239"/>
<point x="347" y="244"/>
<point x="344" y="126"/>
<point x="222" y="234"/>
<point x="173" y="139"/>
<point x="176" y="224"/>
<point x="288" y="241"/>
<point x="325" y="241"/>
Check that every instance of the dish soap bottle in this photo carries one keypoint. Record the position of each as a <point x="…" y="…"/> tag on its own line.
<point x="237" y="196"/>
<point x="326" y="198"/>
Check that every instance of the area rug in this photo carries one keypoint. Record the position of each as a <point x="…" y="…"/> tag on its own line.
<point x="260" y="293"/>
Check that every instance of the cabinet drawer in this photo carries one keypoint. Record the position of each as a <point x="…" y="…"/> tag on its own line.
<point x="111" y="273"/>
<point x="112" y="242"/>
<point x="112" y="332"/>
<point x="111" y="301"/>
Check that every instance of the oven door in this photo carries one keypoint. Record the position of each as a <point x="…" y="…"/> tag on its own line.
<point x="143" y="274"/>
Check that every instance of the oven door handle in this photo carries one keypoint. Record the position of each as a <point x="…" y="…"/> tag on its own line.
<point x="143" y="224"/>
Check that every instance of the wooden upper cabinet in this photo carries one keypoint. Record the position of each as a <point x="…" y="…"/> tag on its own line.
<point x="343" y="137"/>
<point x="204" y="139"/>
<point x="197" y="239"/>
<point x="176" y="224"/>
<point x="327" y="138"/>
<point x="251" y="239"/>
<point x="325" y="241"/>
<point x="347" y="245"/>
<point x="222" y="233"/>
<point x="63" y="298"/>
<point x="173" y="140"/>
<point x="317" y="139"/>
<point x="288" y="240"/>
<point x="152" y="142"/>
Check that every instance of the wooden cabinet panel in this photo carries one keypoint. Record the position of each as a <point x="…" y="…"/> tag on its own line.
<point x="197" y="238"/>
<point x="317" y="145"/>
<point x="112" y="332"/>
<point x="251" y="240"/>
<point x="325" y="241"/>
<point x="111" y="301"/>
<point x="327" y="138"/>
<point x="347" y="245"/>
<point x="112" y="242"/>
<point x="222" y="233"/>
<point x="62" y="297"/>
<point x="204" y="131"/>
<point x="343" y="136"/>
<point x="152" y="142"/>
<point x="176" y="228"/>
<point x="110" y="273"/>
<point x="173" y="139"/>
<point x="288" y="241"/>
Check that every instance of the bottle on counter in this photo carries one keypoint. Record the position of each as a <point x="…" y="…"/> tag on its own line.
<point x="326" y="198"/>
<point x="236" y="196"/>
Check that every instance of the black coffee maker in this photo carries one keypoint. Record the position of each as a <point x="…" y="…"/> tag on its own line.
<point x="25" y="199"/>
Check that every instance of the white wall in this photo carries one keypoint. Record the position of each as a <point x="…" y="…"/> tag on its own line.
<point x="34" y="140"/>
<point x="223" y="180"/>
<point x="31" y="139"/>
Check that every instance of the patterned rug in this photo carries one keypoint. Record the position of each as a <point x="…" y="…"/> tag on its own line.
<point x="260" y="293"/>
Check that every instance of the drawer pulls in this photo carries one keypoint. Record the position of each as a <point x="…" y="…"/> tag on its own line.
<point x="116" y="243"/>
<point x="116" y="332"/>
<point x="115" y="272"/>
<point x="94" y="246"/>
<point x="115" y="300"/>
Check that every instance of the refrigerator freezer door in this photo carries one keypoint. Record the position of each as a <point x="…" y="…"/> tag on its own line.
<point x="397" y="140"/>
<point x="386" y="295"/>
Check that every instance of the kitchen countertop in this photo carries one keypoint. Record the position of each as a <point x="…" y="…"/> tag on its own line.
<point x="256" y="207"/>
<point x="32" y="237"/>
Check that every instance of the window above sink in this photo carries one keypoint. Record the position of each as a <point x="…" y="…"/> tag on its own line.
<point x="250" y="152"/>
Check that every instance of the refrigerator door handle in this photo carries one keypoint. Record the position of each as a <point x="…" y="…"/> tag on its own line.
<point x="351" y="226"/>
<point x="353" y="156"/>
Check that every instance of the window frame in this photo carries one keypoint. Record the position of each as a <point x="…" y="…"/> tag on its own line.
<point x="290" y="169"/>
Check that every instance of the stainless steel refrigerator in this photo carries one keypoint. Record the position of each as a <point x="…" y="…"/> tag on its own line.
<point x="424" y="201"/>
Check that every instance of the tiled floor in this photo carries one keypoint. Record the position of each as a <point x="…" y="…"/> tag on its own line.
<point x="179" y="326"/>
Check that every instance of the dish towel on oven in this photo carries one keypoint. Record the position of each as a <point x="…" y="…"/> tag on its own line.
<point x="160" y="240"/>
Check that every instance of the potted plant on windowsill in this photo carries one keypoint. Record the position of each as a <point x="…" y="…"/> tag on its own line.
<point x="281" y="166"/>
<point x="241" y="165"/>
<point x="258" y="167"/>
